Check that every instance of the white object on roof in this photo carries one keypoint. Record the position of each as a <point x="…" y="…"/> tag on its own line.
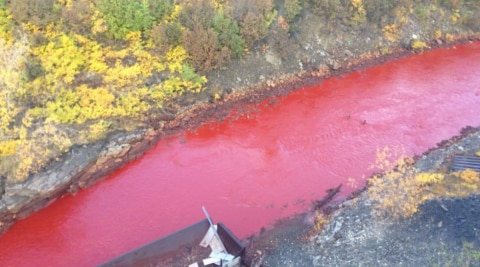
<point x="219" y="254"/>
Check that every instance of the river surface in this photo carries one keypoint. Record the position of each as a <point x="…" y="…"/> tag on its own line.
<point x="262" y="167"/>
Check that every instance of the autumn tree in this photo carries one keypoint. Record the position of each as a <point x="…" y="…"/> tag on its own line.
<point x="253" y="18"/>
<point x="77" y="16"/>
<point x="204" y="48"/>
<point x="166" y="35"/>
<point x="210" y="36"/>
<point x="38" y="12"/>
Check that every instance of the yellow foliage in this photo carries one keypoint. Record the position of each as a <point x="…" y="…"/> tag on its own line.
<point x="177" y="8"/>
<point x="449" y="37"/>
<point x="401" y="13"/>
<point x="66" y="3"/>
<point x="61" y="58"/>
<point x="94" y="132"/>
<point x="94" y="103"/>
<point x="429" y="178"/>
<point x="124" y="77"/>
<point x="455" y="17"/>
<point x="94" y="54"/>
<point x="99" y="24"/>
<point x="419" y="46"/>
<point x="33" y="153"/>
<point x="75" y="79"/>
<point x="132" y="104"/>
<point x="359" y="12"/>
<point x="400" y="189"/>
<point x="389" y="159"/>
<point x="7" y="148"/>
<point x="120" y="76"/>
<point x="148" y="62"/>
<point x="395" y="194"/>
<point x="172" y="86"/>
<point x="12" y="68"/>
<point x="320" y="221"/>
<point x="31" y="28"/>
<point x="218" y="4"/>
<point x="469" y="176"/>
<point x="116" y="54"/>
<point x="81" y="105"/>
<point x="390" y="32"/>
<point x="175" y="58"/>
<point x="437" y="34"/>
<point x="358" y="4"/>
<point x="64" y="109"/>
<point x="6" y="25"/>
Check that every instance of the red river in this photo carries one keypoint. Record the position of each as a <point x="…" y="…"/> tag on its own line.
<point x="259" y="168"/>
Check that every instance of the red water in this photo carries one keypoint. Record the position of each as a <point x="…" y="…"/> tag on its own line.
<point x="252" y="171"/>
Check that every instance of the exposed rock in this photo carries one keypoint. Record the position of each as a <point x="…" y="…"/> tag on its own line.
<point x="272" y="59"/>
<point x="333" y="64"/>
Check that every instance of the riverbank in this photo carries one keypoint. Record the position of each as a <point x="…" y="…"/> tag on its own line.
<point x="262" y="74"/>
<point x="93" y="162"/>
<point x="444" y="232"/>
<point x="246" y="160"/>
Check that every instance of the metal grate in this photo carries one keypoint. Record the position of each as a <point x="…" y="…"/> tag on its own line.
<point x="462" y="162"/>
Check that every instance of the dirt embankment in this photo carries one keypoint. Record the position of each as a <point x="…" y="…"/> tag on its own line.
<point x="313" y="52"/>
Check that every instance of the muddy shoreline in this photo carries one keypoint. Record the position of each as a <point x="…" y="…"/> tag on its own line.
<point x="94" y="162"/>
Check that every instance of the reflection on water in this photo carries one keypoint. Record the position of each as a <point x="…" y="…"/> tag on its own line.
<point x="254" y="170"/>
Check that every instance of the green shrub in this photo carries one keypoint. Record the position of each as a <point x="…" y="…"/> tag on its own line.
<point x="124" y="16"/>
<point x="160" y="8"/>
<point x="292" y="9"/>
<point x="228" y="34"/>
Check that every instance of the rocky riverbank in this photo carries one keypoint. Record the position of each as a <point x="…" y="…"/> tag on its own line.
<point x="313" y="53"/>
<point x="445" y="231"/>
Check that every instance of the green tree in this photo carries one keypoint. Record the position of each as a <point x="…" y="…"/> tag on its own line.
<point x="124" y="16"/>
<point x="228" y="34"/>
<point x="160" y="8"/>
<point x="292" y="9"/>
